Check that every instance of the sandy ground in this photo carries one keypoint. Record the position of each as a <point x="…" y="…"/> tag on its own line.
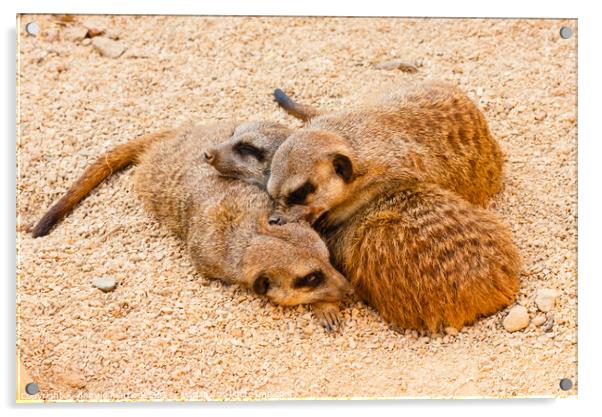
<point x="165" y="332"/>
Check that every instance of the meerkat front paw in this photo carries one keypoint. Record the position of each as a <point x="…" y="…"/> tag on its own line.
<point x="328" y="315"/>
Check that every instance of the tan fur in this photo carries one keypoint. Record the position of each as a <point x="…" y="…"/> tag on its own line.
<point x="229" y="161"/>
<point x="425" y="258"/>
<point x="224" y="222"/>
<point x="430" y="132"/>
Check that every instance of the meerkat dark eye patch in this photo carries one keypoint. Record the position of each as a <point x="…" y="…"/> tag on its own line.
<point x="310" y="280"/>
<point x="246" y="149"/>
<point x="300" y="194"/>
<point x="343" y="167"/>
<point x="261" y="285"/>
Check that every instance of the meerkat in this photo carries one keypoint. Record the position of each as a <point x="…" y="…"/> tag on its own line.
<point x="430" y="132"/>
<point x="222" y="220"/>
<point x="425" y="258"/>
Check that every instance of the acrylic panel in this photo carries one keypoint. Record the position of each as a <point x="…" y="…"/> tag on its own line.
<point x="110" y="306"/>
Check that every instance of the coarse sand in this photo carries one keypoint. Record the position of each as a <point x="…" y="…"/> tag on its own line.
<point x="165" y="332"/>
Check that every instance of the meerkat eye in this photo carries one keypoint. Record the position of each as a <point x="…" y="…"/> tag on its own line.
<point x="310" y="280"/>
<point x="261" y="285"/>
<point x="300" y="194"/>
<point x="246" y="149"/>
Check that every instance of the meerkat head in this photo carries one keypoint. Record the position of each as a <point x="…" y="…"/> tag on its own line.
<point x="290" y="265"/>
<point x="312" y="172"/>
<point x="248" y="153"/>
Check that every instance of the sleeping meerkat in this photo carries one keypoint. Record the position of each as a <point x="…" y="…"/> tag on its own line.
<point x="248" y="153"/>
<point x="222" y="220"/>
<point x="431" y="132"/>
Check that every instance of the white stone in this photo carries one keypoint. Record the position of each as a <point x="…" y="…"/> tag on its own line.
<point x="538" y="321"/>
<point x="108" y="47"/>
<point x="546" y="299"/>
<point x="105" y="284"/>
<point x="75" y="33"/>
<point x="452" y="331"/>
<point x="395" y="64"/>
<point x="517" y="319"/>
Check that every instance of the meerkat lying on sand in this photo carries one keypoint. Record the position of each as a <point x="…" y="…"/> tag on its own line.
<point x="222" y="220"/>
<point x="430" y="132"/>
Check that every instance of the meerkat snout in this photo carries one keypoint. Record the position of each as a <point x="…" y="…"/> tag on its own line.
<point x="209" y="156"/>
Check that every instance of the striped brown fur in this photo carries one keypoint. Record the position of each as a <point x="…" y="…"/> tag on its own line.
<point x="425" y="258"/>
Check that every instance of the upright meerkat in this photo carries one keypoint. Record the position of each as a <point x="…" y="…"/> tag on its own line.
<point x="431" y="132"/>
<point x="222" y="220"/>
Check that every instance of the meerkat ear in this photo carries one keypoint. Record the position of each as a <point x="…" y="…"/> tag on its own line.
<point x="342" y="166"/>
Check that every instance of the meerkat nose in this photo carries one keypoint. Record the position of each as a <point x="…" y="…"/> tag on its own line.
<point x="276" y="219"/>
<point x="209" y="156"/>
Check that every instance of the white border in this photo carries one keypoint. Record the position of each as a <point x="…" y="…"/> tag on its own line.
<point x="590" y="137"/>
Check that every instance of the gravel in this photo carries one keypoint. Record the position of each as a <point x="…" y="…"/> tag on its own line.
<point x="396" y="64"/>
<point x="166" y="332"/>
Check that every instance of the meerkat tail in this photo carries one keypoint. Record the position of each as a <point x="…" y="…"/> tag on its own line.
<point x="114" y="160"/>
<point x="298" y="110"/>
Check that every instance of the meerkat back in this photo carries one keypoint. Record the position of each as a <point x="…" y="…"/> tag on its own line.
<point x="427" y="259"/>
<point x="433" y="129"/>
<point x="175" y="182"/>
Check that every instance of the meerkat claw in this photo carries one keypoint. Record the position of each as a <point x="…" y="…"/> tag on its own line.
<point x="328" y="316"/>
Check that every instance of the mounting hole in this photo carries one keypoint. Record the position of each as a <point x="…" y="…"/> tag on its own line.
<point x="32" y="388"/>
<point x="566" y="384"/>
<point x="32" y="28"/>
<point x="566" y="32"/>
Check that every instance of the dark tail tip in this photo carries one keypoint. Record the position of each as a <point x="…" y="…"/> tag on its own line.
<point x="45" y="224"/>
<point x="281" y="98"/>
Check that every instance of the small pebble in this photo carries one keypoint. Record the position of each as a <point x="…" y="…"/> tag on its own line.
<point x="75" y="33"/>
<point x="237" y="332"/>
<point x="108" y="47"/>
<point x="452" y="331"/>
<point x="546" y="299"/>
<point x="538" y="321"/>
<point x="517" y="319"/>
<point x="105" y="284"/>
<point x="94" y="28"/>
<point x="69" y="378"/>
<point x="549" y="323"/>
<point x="396" y="64"/>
